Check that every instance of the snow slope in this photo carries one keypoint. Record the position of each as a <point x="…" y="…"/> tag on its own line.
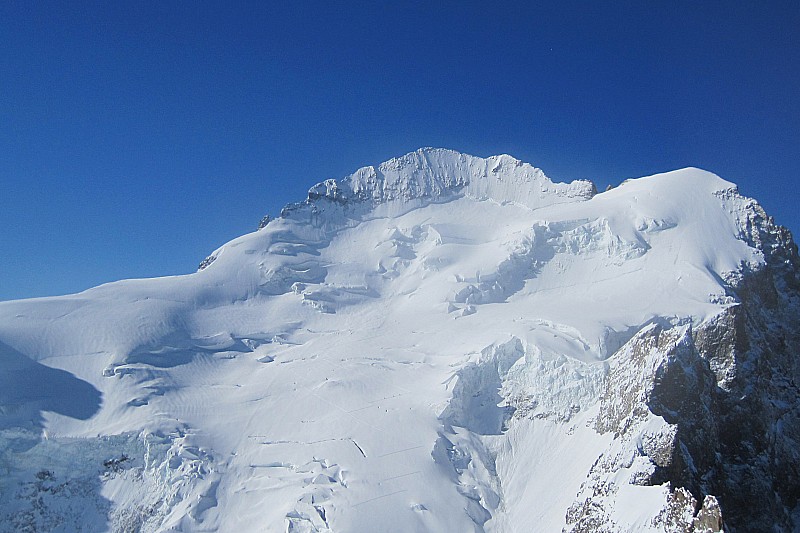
<point x="425" y="345"/>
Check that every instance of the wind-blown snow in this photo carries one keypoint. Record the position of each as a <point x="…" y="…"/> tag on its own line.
<point x="417" y="347"/>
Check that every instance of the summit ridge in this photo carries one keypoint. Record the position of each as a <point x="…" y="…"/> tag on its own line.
<point x="436" y="173"/>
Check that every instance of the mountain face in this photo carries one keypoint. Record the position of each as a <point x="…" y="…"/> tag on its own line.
<point x="440" y="343"/>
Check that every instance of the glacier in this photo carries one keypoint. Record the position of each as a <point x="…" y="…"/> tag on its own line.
<point x="442" y="342"/>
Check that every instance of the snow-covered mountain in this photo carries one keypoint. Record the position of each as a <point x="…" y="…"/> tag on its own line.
<point x="440" y="343"/>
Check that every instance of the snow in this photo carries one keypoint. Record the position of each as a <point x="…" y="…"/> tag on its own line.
<point x="418" y="347"/>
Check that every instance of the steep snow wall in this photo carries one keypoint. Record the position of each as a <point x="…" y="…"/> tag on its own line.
<point x="433" y="174"/>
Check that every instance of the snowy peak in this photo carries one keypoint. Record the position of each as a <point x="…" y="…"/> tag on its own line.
<point x="441" y="342"/>
<point x="435" y="173"/>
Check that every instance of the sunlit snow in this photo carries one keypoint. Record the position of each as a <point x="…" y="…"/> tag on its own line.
<point x="419" y="347"/>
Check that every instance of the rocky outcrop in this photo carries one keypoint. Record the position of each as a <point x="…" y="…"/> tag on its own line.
<point x="657" y="402"/>
<point x="710" y="414"/>
<point x="266" y="219"/>
<point x="205" y="263"/>
<point x="753" y="348"/>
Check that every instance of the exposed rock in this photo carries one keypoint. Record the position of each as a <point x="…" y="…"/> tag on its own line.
<point x="206" y="262"/>
<point x="264" y="221"/>
<point x="714" y="413"/>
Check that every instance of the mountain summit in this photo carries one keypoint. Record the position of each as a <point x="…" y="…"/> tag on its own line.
<point x="438" y="343"/>
<point x="435" y="173"/>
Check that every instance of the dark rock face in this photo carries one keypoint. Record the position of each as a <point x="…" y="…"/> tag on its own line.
<point x="753" y="348"/>
<point x="683" y="395"/>
<point x="712" y="413"/>
<point x="658" y="396"/>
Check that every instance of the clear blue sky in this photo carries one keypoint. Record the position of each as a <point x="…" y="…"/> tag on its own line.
<point x="136" y="137"/>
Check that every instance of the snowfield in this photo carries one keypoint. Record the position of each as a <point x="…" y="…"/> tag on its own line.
<point x="442" y="343"/>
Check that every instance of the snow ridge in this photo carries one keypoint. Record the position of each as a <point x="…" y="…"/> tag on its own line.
<point x="436" y="173"/>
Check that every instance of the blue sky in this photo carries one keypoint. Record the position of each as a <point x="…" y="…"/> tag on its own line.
<point x="137" y="138"/>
